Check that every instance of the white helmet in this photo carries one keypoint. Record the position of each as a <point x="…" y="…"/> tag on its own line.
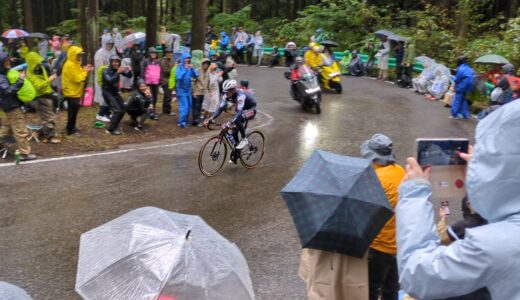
<point x="229" y="85"/>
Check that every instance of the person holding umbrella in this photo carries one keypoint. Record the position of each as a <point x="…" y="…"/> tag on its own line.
<point x="382" y="263"/>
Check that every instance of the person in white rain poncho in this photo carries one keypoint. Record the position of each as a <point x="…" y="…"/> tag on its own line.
<point x="489" y="255"/>
<point x="420" y="84"/>
<point x="118" y="39"/>
<point x="102" y="58"/>
<point x="211" y="98"/>
<point x="439" y="85"/>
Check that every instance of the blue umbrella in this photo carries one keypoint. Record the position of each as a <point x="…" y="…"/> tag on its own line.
<point x="337" y="203"/>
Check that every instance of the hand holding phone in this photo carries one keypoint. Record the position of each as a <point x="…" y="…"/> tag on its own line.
<point x="445" y="206"/>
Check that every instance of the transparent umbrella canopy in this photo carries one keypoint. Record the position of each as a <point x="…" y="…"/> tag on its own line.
<point x="150" y="253"/>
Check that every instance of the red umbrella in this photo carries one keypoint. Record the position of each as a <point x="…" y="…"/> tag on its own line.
<point x="14" y="34"/>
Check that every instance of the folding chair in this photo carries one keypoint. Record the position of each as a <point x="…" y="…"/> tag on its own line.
<point x="34" y="131"/>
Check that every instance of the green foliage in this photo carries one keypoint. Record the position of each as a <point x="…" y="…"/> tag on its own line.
<point x="224" y="22"/>
<point x="138" y="23"/>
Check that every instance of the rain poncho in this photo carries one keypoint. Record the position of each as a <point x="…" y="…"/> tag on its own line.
<point x="101" y="58"/>
<point x="421" y="83"/>
<point x="73" y="76"/>
<point x="345" y="62"/>
<point x="464" y="79"/>
<point x="489" y="255"/>
<point x="182" y="85"/>
<point x="40" y="81"/>
<point x="355" y="67"/>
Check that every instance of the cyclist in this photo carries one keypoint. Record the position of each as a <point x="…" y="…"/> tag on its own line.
<point x="245" y="106"/>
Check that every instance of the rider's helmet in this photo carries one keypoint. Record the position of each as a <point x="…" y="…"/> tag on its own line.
<point x="229" y="85"/>
<point x="316" y="49"/>
<point x="299" y="61"/>
<point x="312" y="45"/>
<point x="244" y="83"/>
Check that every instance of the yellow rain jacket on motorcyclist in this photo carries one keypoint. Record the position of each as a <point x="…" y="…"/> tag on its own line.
<point x="313" y="59"/>
<point x="73" y="75"/>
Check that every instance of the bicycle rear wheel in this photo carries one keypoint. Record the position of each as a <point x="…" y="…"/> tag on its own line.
<point x="212" y="156"/>
<point x="253" y="153"/>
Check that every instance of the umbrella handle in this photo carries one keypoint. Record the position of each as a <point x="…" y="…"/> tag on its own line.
<point x="188" y="234"/>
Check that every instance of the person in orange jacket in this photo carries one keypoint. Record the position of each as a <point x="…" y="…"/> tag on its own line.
<point x="382" y="265"/>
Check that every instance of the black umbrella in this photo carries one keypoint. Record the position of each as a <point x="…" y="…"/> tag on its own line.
<point x="397" y="38"/>
<point x="383" y="32"/>
<point x="329" y="44"/>
<point x="337" y="203"/>
<point x="38" y="35"/>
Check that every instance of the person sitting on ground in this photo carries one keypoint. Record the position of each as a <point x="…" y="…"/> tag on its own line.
<point x="489" y="255"/>
<point x="438" y="87"/>
<point x="345" y="62"/>
<point x="38" y="74"/>
<point x="355" y="67"/>
<point x="11" y="105"/>
<point x="420" y="84"/>
<point x="503" y="93"/>
<point x="274" y="57"/>
<point x="112" y="94"/>
<point x="140" y="106"/>
<point x="382" y="263"/>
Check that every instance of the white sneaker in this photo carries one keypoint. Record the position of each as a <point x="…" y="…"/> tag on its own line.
<point x="102" y="118"/>
<point x="244" y="142"/>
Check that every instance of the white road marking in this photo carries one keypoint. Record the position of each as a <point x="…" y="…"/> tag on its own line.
<point x="39" y="161"/>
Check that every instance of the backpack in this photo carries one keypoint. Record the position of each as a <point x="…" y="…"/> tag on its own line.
<point x="100" y="75"/>
<point x="27" y="92"/>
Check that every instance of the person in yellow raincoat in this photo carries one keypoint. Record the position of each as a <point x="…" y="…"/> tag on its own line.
<point x="313" y="56"/>
<point x="73" y="79"/>
<point x="382" y="263"/>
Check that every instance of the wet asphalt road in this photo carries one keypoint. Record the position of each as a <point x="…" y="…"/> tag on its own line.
<point x="44" y="207"/>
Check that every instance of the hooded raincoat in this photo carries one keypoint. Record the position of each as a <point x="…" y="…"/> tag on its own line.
<point x="39" y="79"/>
<point x="345" y="62"/>
<point x="73" y="76"/>
<point x="101" y="58"/>
<point x="489" y="255"/>
<point x="182" y="85"/>
<point x="8" y="97"/>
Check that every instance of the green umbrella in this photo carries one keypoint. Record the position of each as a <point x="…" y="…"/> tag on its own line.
<point x="492" y="59"/>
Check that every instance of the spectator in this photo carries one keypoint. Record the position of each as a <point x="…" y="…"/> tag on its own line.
<point x="101" y="60"/>
<point x="73" y="85"/>
<point x="209" y="38"/>
<point x="127" y="83"/>
<point x="105" y="37"/>
<point x="493" y="75"/>
<point x="438" y="87"/>
<point x="345" y="62"/>
<point x="184" y="72"/>
<point x="212" y="95"/>
<point x="371" y="50"/>
<point x="152" y="77"/>
<point x="43" y="48"/>
<point x="55" y="44"/>
<point x="250" y="48"/>
<point x="274" y="57"/>
<point x="139" y="107"/>
<point x="290" y="53"/>
<point x="187" y="39"/>
<point x="259" y="44"/>
<point x="463" y="85"/>
<point x="240" y="43"/>
<point x="420" y="84"/>
<point x="137" y="58"/>
<point x="163" y="38"/>
<point x="355" y="67"/>
<point x="488" y="255"/>
<point x="224" y="41"/>
<point x="408" y="62"/>
<point x="167" y="64"/>
<point x="383" y="56"/>
<point x="382" y="264"/>
<point x="11" y="105"/>
<point x="200" y="86"/>
<point x="118" y="40"/>
<point x="318" y="37"/>
<point x="399" y="59"/>
<point x="233" y="35"/>
<point x="38" y="74"/>
<point x="112" y="94"/>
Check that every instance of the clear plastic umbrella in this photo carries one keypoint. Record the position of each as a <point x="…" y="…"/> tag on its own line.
<point x="425" y="60"/>
<point x="150" y="253"/>
<point x="134" y="38"/>
<point x="12" y="292"/>
<point x="442" y="69"/>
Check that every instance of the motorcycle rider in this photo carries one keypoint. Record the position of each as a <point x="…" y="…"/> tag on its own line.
<point x="245" y="106"/>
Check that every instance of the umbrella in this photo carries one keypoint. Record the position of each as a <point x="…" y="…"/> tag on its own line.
<point x="329" y="44"/>
<point x="424" y="60"/>
<point x="12" y="292"/>
<point x="383" y="32"/>
<point x="337" y="203"/>
<point x="14" y="34"/>
<point x="39" y="35"/>
<point x="150" y="253"/>
<point x="134" y="38"/>
<point x="397" y="38"/>
<point x="492" y="59"/>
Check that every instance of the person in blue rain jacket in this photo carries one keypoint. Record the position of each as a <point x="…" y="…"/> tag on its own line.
<point x="463" y="85"/>
<point x="183" y="75"/>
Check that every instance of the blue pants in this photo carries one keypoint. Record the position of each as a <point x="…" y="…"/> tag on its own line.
<point x="460" y="105"/>
<point x="184" y="108"/>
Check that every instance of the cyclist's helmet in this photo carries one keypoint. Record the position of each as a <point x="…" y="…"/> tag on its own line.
<point x="244" y="83"/>
<point x="229" y="84"/>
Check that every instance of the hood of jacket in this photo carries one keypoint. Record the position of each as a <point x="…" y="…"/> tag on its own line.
<point x="33" y="59"/>
<point x="493" y="183"/>
<point x="72" y="54"/>
<point x="3" y="56"/>
<point x="183" y="57"/>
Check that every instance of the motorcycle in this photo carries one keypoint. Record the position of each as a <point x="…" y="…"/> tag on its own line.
<point x="306" y="89"/>
<point x="330" y="75"/>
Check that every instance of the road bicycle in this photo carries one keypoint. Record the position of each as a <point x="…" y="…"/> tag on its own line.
<point x="213" y="153"/>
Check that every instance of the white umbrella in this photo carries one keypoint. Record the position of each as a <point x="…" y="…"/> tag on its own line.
<point x="150" y="253"/>
<point x="133" y="38"/>
<point x="12" y="292"/>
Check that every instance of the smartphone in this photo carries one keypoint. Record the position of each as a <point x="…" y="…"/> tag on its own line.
<point x="448" y="169"/>
<point x="445" y="205"/>
<point x="441" y="152"/>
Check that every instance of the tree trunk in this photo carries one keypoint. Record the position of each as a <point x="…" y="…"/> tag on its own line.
<point x="12" y="16"/>
<point x="227" y="6"/>
<point x="198" y="23"/>
<point x="27" y="16"/>
<point x="151" y="24"/>
<point x="89" y="28"/>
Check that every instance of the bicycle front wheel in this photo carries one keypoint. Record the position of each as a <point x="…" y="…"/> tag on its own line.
<point x="253" y="153"/>
<point x="212" y="156"/>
